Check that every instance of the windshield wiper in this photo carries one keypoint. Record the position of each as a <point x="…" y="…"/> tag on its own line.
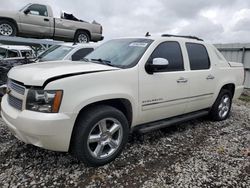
<point x="104" y="62"/>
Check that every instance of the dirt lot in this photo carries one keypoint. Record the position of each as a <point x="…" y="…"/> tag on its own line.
<point x="198" y="153"/>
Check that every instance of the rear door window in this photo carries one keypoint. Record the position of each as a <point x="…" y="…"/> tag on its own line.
<point x="198" y="56"/>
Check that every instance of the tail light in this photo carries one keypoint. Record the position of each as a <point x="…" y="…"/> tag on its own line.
<point x="101" y="29"/>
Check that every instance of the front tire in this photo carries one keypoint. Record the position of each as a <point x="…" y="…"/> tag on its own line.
<point x="7" y="28"/>
<point x="222" y="106"/>
<point x="99" y="135"/>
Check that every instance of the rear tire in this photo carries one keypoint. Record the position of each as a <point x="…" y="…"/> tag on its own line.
<point x="222" y="106"/>
<point x="99" y="136"/>
<point x="82" y="37"/>
<point x="7" y="28"/>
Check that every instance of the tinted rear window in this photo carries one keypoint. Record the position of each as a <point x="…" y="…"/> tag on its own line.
<point x="198" y="56"/>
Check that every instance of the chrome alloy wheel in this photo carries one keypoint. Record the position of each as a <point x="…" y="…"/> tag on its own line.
<point x="6" y="29"/>
<point x="82" y="38"/>
<point x="224" y="106"/>
<point x="105" y="138"/>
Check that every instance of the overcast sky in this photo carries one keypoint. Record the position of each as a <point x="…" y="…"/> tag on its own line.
<point x="216" y="21"/>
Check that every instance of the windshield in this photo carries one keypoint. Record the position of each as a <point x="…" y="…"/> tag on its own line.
<point x="122" y="53"/>
<point x="26" y="6"/>
<point x="55" y="53"/>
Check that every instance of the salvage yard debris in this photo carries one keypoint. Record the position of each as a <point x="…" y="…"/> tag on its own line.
<point x="191" y="159"/>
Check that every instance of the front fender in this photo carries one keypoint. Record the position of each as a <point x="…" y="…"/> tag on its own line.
<point x="96" y="99"/>
<point x="82" y="90"/>
<point x="8" y="15"/>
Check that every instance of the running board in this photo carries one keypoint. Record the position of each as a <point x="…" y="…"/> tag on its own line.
<point x="144" y="128"/>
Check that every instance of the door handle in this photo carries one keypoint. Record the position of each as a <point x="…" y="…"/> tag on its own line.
<point x="182" y="80"/>
<point x="210" y="77"/>
<point x="46" y="19"/>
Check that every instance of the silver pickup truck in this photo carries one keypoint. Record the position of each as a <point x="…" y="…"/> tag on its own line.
<point x="36" y="20"/>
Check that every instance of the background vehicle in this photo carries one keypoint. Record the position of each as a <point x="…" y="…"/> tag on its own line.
<point x="11" y="56"/>
<point x="7" y="52"/>
<point x="36" y="20"/>
<point x="66" y="51"/>
<point x="7" y="64"/>
<point x="131" y="84"/>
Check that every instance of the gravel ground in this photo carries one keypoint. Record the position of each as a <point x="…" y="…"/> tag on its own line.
<point x="198" y="153"/>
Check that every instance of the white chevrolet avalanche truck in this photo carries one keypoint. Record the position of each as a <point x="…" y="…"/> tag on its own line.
<point x="90" y="107"/>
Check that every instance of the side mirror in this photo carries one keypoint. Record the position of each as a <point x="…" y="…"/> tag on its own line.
<point x="157" y="65"/>
<point x="27" y="11"/>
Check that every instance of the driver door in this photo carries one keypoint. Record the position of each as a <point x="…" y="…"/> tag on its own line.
<point x="163" y="94"/>
<point x="36" y="21"/>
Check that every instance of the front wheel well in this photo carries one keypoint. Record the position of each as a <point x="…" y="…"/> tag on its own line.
<point x="10" y="20"/>
<point x="123" y="105"/>
<point x="230" y="87"/>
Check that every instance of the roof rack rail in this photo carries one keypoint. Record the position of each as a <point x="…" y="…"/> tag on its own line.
<point x="182" y="36"/>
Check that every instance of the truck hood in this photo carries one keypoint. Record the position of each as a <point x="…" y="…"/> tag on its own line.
<point x="8" y="13"/>
<point x="36" y="74"/>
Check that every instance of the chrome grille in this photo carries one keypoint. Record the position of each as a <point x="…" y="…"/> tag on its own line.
<point x="16" y="87"/>
<point x="15" y="102"/>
